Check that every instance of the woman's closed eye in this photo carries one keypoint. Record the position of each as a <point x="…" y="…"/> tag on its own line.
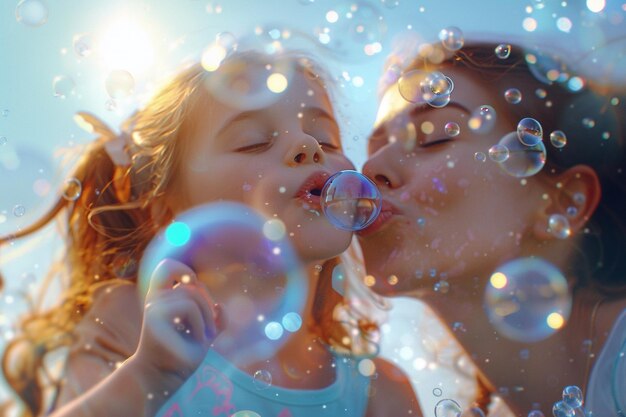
<point x="434" y="142"/>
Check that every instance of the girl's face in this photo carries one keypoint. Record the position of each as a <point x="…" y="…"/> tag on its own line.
<point x="447" y="214"/>
<point x="275" y="159"/>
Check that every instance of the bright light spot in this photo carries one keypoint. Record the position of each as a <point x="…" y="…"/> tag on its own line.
<point x="177" y="234"/>
<point x="277" y="83"/>
<point x="427" y="127"/>
<point x="212" y="57"/>
<point x="498" y="280"/>
<point x="358" y="81"/>
<point x="273" y="330"/>
<point x="126" y="45"/>
<point x="555" y="321"/>
<point x="564" y="24"/>
<point x="332" y="16"/>
<point x="274" y="229"/>
<point x="324" y="38"/>
<point x="406" y="353"/>
<point x="529" y="24"/>
<point x="367" y="367"/>
<point x="596" y="6"/>
<point x="369" y="280"/>
<point x="575" y="84"/>
<point x="419" y="364"/>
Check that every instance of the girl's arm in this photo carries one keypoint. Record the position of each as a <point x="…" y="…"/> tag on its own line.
<point x="128" y="358"/>
<point x="391" y="393"/>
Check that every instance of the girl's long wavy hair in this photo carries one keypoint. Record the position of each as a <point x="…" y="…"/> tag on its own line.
<point x="109" y="226"/>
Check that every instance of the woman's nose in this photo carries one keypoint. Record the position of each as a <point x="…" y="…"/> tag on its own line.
<point x="304" y="150"/>
<point x="382" y="168"/>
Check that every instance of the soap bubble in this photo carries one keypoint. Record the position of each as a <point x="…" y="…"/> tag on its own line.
<point x="472" y="412"/>
<point x="480" y="156"/>
<point x="292" y="322"/>
<point x="558" y="139"/>
<point x="523" y="161"/>
<point x="559" y="227"/>
<point x="418" y="86"/>
<point x="19" y="210"/>
<point x="452" y="129"/>
<point x="503" y="51"/>
<point x="529" y="131"/>
<point x="573" y="396"/>
<point x="247" y="85"/>
<point x="498" y="153"/>
<point x="451" y="38"/>
<point x="561" y="409"/>
<point x="225" y="245"/>
<point x="527" y="299"/>
<point x="83" y="45"/>
<point x="72" y="189"/>
<point x="535" y="413"/>
<point x="482" y="120"/>
<point x="63" y="86"/>
<point x="246" y="413"/>
<point x="447" y="408"/>
<point x="513" y="96"/>
<point x="262" y="379"/>
<point x="350" y="200"/>
<point x="31" y="12"/>
<point x="119" y="84"/>
<point x="437" y="392"/>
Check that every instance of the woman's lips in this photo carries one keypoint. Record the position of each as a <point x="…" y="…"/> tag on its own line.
<point x="387" y="212"/>
<point x="315" y="181"/>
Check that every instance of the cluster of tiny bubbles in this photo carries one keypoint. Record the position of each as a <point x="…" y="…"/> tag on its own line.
<point x="31" y="12"/>
<point x="452" y="129"/>
<point x="437" y="392"/>
<point x="350" y="200"/>
<point x="482" y="120"/>
<point x="558" y="226"/>
<point x="527" y="299"/>
<point x="225" y="245"/>
<point x="338" y="279"/>
<point x="513" y="96"/>
<point x="480" y="156"/>
<point x="119" y="84"/>
<point x="83" y="44"/>
<point x="72" y="188"/>
<point x="498" y="153"/>
<point x="503" y="51"/>
<point x="246" y="413"/>
<point x="558" y="139"/>
<point x="529" y="131"/>
<point x="447" y="408"/>
<point x="523" y="161"/>
<point x="63" y="86"/>
<point x="262" y="379"/>
<point x="451" y="38"/>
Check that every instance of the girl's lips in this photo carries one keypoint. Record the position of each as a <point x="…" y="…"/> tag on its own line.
<point x="387" y="211"/>
<point x="315" y="181"/>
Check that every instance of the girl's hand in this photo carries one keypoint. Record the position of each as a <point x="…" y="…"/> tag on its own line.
<point x="180" y="322"/>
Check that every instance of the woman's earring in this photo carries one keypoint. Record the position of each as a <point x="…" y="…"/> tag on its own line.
<point x="559" y="227"/>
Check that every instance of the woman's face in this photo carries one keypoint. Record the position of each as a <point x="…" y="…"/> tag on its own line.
<point x="275" y="159"/>
<point x="447" y="214"/>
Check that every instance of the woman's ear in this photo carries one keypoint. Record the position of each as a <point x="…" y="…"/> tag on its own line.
<point x="574" y="195"/>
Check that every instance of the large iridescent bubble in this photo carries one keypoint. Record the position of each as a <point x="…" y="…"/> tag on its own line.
<point x="350" y="200"/>
<point x="527" y="299"/>
<point x="256" y="279"/>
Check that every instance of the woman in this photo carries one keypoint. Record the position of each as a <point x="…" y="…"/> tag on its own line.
<point x="452" y="217"/>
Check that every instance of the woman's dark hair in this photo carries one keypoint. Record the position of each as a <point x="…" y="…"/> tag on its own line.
<point x="593" y="118"/>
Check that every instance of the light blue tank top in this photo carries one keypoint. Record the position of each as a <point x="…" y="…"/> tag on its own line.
<point x="220" y="389"/>
<point x="606" y="390"/>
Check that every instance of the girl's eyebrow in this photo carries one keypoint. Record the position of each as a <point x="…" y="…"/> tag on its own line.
<point x="237" y="118"/>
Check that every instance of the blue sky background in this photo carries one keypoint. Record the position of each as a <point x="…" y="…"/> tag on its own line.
<point x="35" y="124"/>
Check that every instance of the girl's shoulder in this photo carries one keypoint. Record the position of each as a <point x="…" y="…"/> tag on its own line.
<point x="112" y="324"/>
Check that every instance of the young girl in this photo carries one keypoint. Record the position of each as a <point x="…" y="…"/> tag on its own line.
<point x="205" y="137"/>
